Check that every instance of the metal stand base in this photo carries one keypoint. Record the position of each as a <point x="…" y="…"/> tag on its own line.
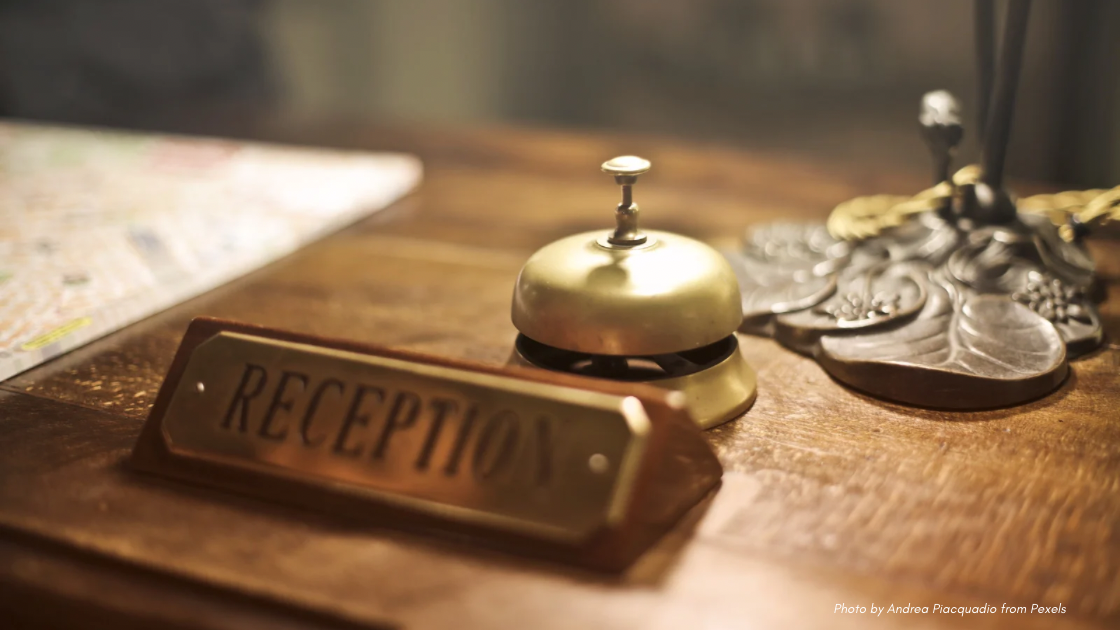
<point x="935" y="312"/>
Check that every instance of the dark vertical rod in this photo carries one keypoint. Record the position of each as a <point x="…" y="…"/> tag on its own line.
<point x="998" y="130"/>
<point x="984" y="24"/>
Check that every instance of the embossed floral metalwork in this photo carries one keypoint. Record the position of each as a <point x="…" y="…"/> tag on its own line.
<point x="1053" y="299"/>
<point x="855" y="306"/>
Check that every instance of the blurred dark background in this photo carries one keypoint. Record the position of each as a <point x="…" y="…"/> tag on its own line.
<point x="838" y="79"/>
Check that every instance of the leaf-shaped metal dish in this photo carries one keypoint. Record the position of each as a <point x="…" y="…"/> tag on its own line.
<point x="939" y="358"/>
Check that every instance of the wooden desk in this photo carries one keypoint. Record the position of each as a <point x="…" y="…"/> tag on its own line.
<point x="829" y="496"/>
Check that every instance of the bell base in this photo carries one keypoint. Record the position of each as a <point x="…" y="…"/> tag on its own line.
<point x="715" y="392"/>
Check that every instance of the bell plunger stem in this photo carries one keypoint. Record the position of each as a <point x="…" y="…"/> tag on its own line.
<point x="626" y="231"/>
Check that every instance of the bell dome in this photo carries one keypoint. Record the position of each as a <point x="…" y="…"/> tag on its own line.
<point x="668" y="294"/>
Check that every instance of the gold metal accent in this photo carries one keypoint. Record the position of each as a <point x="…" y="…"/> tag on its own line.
<point x="867" y="217"/>
<point x="540" y="460"/>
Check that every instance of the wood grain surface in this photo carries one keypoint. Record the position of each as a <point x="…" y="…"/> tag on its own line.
<point x="829" y="496"/>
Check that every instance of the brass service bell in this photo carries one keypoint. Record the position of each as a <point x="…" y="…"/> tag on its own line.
<point x="637" y="306"/>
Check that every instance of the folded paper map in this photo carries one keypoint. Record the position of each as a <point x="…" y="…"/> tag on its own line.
<point x="99" y="229"/>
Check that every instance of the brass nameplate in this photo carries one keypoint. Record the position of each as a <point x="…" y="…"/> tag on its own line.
<point x="579" y="470"/>
<point x="542" y="460"/>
